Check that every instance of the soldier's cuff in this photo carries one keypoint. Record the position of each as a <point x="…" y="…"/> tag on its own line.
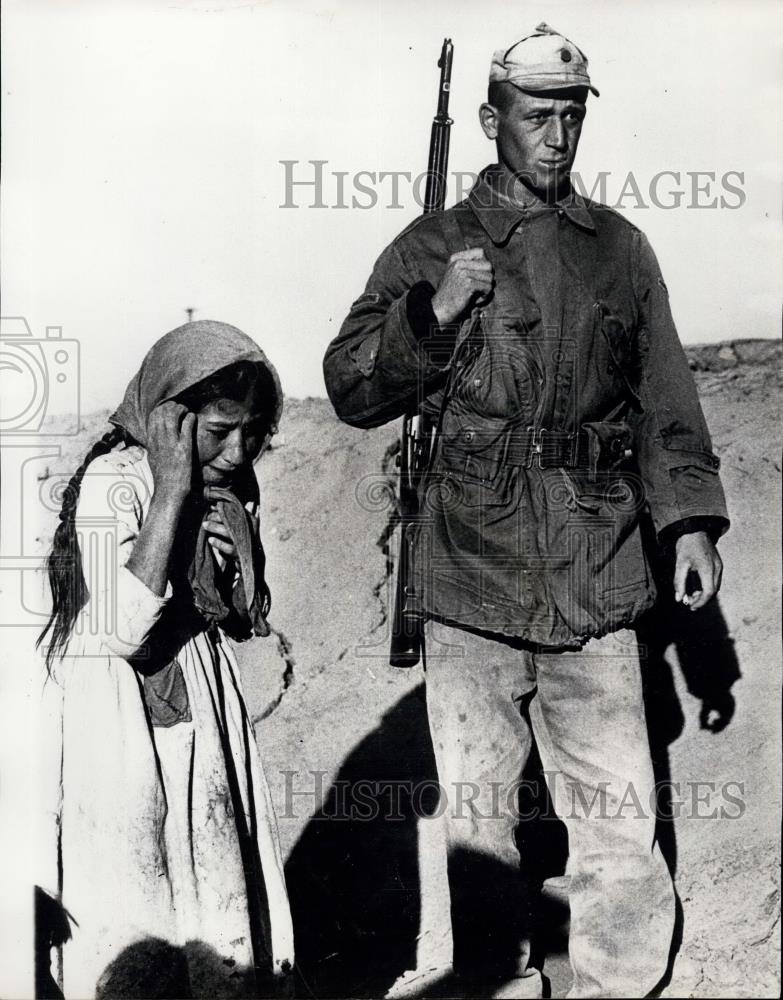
<point x="713" y="526"/>
<point x="436" y="343"/>
<point x="418" y="305"/>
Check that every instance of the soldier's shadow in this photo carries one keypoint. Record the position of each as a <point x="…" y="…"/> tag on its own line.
<point x="353" y="875"/>
<point x="354" y="878"/>
<point x="704" y="651"/>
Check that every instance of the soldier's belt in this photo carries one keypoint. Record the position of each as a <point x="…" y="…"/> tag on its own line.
<point x="548" y="449"/>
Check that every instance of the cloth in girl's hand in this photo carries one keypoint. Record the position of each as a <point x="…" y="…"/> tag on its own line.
<point x="250" y="599"/>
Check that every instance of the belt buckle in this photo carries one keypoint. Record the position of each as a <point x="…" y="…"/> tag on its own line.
<point x="536" y="447"/>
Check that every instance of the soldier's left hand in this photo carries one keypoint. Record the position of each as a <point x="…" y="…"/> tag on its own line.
<point x="697" y="554"/>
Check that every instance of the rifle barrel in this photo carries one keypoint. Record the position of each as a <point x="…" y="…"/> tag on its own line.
<point x="437" y="167"/>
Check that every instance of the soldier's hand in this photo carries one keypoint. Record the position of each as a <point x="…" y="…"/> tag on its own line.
<point x="468" y="275"/>
<point x="696" y="555"/>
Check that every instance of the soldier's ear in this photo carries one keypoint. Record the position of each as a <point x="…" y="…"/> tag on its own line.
<point x="489" y="117"/>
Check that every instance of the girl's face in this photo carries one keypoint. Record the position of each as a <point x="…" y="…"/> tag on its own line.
<point x="229" y="435"/>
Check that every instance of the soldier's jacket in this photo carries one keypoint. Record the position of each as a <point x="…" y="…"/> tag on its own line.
<point x="538" y="536"/>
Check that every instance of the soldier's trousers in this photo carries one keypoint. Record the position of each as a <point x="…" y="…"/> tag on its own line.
<point x="486" y="703"/>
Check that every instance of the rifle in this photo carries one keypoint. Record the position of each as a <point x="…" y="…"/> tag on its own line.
<point x="407" y="639"/>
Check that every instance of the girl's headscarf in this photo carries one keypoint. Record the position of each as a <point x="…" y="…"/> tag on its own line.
<point x="178" y="361"/>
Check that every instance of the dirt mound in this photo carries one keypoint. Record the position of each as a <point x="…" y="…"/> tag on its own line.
<point x="718" y="357"/>
<point x="369" y="896"/>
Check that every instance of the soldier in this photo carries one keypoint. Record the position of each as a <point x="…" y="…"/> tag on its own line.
<point x="532" y="326"/>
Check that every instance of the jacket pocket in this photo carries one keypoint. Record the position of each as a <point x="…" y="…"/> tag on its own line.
<point x="694" y="476"/>
<point x="471" y="459"/>
<point x="699" y="458"/>
<point x="615" y="495"/>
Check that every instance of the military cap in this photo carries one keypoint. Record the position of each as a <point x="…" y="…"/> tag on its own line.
<point x="545" y="60"/>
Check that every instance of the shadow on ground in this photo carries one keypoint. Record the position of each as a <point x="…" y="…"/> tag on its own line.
<point x="354" y="878"/>
<point x="705" y="653"/>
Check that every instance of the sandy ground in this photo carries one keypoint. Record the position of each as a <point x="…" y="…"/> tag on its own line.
<point x="369" y="894"/>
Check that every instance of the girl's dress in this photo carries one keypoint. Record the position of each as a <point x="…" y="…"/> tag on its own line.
<point x="156" y="835"/>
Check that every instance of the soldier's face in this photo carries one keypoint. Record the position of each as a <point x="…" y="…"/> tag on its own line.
<point x="537" y="135"/>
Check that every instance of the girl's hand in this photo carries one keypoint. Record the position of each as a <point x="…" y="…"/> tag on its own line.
<point x="219" y="535"/>
<point x="170" y="445"/>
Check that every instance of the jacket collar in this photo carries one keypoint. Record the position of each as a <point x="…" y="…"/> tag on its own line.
<point x="499" y="215"/>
